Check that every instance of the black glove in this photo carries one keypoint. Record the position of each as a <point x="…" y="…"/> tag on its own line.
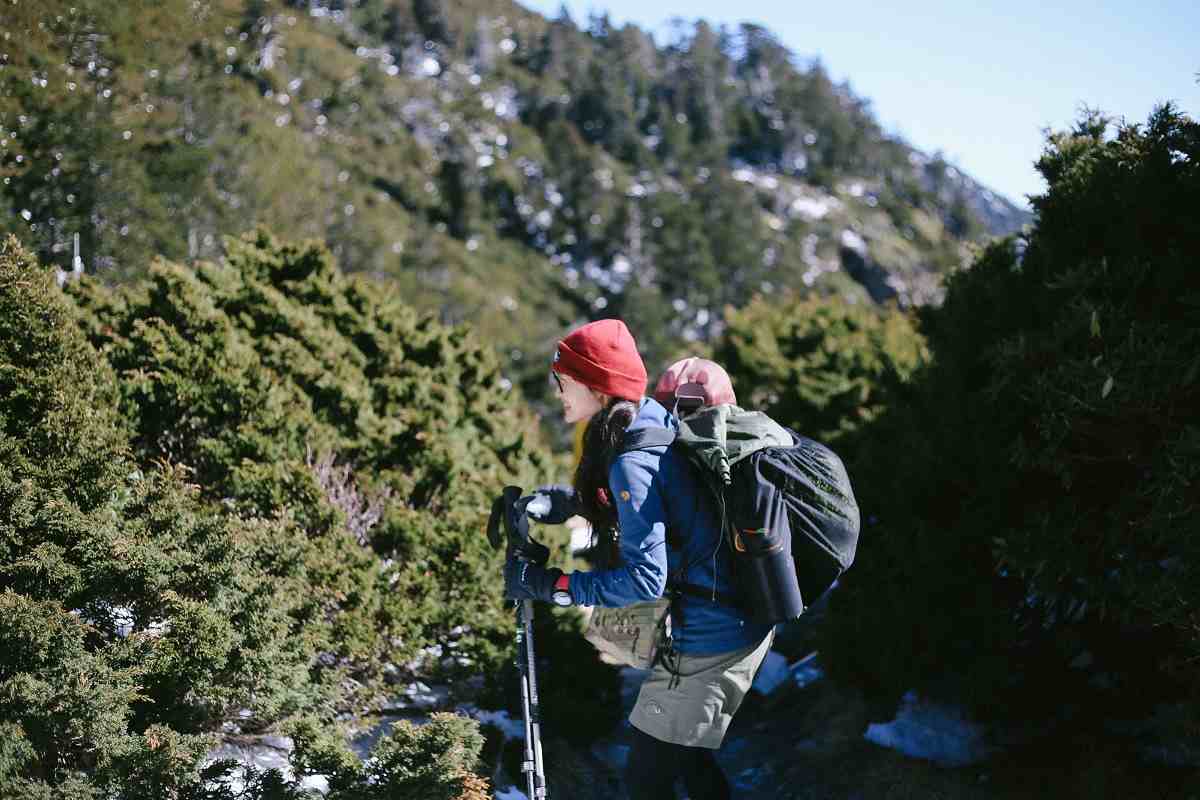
<point x="526" y="580"/>
<point x="531" y="550"/>
<point x="551" y="505"/>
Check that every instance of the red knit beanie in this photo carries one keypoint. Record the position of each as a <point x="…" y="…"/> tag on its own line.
<point x="603" y="356"/>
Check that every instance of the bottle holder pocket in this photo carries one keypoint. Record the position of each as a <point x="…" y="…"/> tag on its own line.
<point x="768" y="576"/>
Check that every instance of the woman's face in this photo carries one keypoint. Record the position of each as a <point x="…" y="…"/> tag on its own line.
<point x="579" y="402"/>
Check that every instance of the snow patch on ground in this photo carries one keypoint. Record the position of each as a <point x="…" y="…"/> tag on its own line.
<point x="420" y="695"/>
<point x="772" y="674"/>
<point x="932" y="731"/>
<point x="806" y="671"/>
<point x="810" y="207"/>
<point x="269" y="752"/>
<point x="511" y="728"/>
<point x="745" y="175"/>
<point x="853" y="241"/>
<point x="511" y="793"/>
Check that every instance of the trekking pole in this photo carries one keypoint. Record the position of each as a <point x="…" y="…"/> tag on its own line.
<point x="532" y="766"/>
<point x="516" y="527"/>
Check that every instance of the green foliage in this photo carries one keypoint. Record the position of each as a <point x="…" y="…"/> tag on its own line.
<point x="821" y="366"/>
<point x="435" y="760"/>
<point x="1033" y="493"/>
<point x="95" y="574"/>
<point x="239" y="369"/>
<point x="89" y="80"/>
<point x="546" y="175"/>
<point x="176" y="563"/>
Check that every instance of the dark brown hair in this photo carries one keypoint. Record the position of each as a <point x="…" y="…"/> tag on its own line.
<point x="600" y="440"/>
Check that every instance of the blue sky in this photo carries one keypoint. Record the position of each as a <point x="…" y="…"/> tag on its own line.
<point x="977" y="81"/>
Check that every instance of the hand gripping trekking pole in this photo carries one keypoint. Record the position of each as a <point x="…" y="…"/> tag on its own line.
<point x="508" y="512"/>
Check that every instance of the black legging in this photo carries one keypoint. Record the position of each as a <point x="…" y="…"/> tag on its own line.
<point x="654" y="765"/>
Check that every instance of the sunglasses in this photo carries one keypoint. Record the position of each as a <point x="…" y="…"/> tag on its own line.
<point x="557" y="381"/>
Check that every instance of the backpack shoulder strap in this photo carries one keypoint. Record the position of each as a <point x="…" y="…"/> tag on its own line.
<point x="644" y="439"/>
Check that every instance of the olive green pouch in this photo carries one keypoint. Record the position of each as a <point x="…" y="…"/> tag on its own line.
<point x="631" y="635"/>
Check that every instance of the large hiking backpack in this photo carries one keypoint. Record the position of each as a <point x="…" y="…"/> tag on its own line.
<point x="787" y="510"/>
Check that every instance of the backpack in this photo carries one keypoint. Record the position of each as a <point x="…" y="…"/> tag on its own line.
<point x="787" y="511"/>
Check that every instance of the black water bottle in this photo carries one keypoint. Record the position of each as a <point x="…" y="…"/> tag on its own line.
<point x="766" y="572"/>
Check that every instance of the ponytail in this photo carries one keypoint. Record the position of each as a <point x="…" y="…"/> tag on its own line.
<point x="600" y="441"/>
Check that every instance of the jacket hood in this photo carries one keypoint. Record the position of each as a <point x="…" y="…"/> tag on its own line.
<point x="722" y="435"/>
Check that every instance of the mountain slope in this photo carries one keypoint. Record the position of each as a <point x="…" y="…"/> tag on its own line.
<point x="516" y="172"/>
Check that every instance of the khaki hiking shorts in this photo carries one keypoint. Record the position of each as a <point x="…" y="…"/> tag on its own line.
<point x="695" y="710"/>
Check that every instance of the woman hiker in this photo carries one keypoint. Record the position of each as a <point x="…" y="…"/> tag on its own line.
<point x="665" y="526"/>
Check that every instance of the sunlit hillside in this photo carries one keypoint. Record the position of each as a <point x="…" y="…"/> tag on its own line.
<point x="505" y="169"/>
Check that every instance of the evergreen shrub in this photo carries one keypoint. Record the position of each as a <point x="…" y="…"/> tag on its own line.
<point x="1030" y="498"/>
<point x="254" y="370"/>
<point x="435" y="760"/>
<point x="119" y="591"/>
<point x="242" y="498"/>
<point x="819" y="365"/>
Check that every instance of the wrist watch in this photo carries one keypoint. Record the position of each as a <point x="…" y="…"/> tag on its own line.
<point x="562" y="591"/>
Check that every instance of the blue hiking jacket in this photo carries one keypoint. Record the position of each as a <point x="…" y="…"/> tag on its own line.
<point x="656" y="491"/>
